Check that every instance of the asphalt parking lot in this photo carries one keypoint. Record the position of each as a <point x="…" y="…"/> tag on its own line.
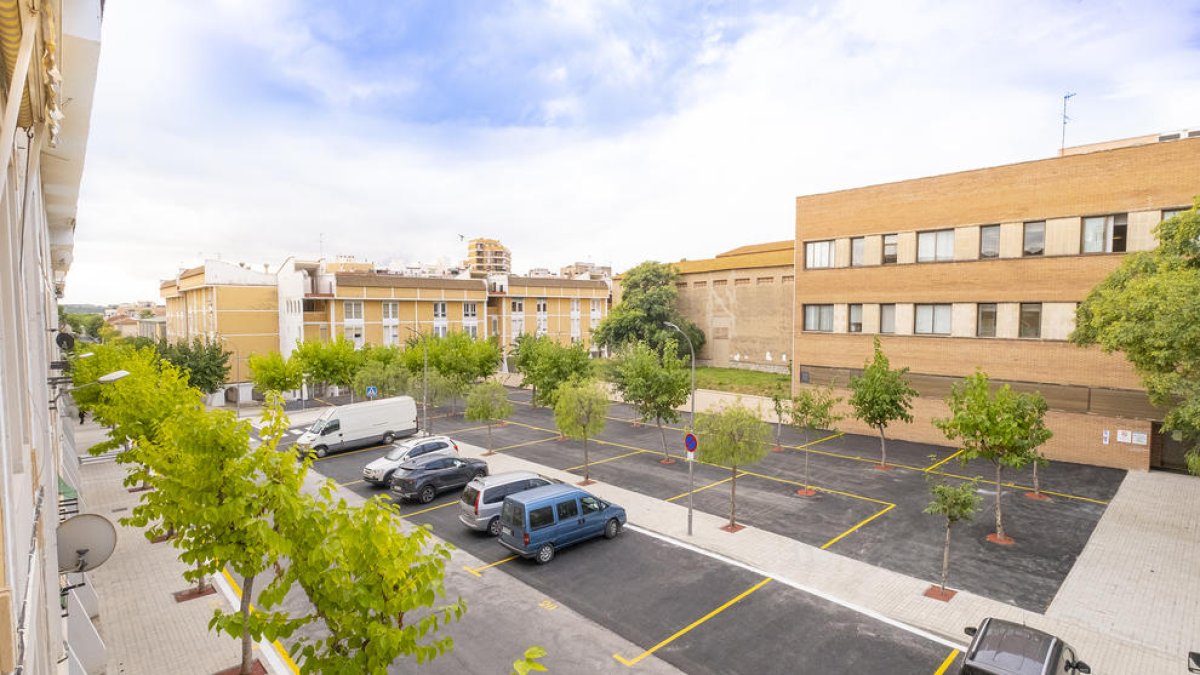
<point x="697" y="613"/>
<point x="858" y="511"/>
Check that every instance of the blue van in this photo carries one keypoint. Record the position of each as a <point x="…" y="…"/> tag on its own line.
<point x="536" y="523"/>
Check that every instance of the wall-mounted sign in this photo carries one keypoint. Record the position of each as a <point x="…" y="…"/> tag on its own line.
<point x="1139" y="438"/>
<point x="1124" y="436"/>
<point x="1106" y="436"/>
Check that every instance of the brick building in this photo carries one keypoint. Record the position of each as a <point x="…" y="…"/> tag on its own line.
<point x="984" y="269"/>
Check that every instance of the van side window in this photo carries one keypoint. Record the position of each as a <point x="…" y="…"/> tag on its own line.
<point x="590" y="504"/>
<point x="541" y="517"/>
<point x="568" y="509"/>
<point x="330" y="427"/>
<point x="537" y="482"/>
<point x="497" y="494"/>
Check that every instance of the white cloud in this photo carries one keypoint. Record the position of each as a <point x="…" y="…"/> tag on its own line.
<point x="182" y="166"/>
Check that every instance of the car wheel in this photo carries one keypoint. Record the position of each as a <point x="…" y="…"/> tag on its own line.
<point x="389" y="438"/>
<point x="612" y="529"/>
<point x="494" y="527"/>
<point x="427" y="494"/>
<point x="387" y="479"/>
<point x="480" y="474"/>
<point x="320" y="451"/>
<point x="545" y="554"/>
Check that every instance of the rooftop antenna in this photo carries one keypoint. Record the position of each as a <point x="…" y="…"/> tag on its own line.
<point x="1065" y="119"/>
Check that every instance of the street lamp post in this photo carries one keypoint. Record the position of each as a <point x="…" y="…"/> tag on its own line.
<point x="691" y="464"/>
<point x="424" y="379"/>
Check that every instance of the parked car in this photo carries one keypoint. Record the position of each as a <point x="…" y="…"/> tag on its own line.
<point x="536" y="523"/>
<point x="360" y="424"/>
<point x="379" y="471"/>
<point x="1001" y="647"/>
<point x="483" y="497"/>
<point x="422" y="478"/>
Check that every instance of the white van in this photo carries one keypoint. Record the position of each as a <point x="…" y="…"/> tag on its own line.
<point x="360" y="424"/>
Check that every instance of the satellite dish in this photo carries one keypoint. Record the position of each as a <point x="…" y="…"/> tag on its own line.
<point x="85" y="542"/>
<point x="65" y="341"/>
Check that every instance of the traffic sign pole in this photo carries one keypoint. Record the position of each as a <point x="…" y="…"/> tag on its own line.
<point x="690" y="442"/>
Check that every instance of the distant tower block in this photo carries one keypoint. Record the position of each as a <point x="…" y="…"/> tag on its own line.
<point x="487" y="256"/>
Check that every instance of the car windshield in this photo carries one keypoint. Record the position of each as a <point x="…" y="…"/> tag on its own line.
<point x="398" y="452"/>
<point x="317" y="427"/>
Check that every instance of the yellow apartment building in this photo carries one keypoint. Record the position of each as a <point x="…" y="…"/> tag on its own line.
<point x="742" y="301"/>
<point x="984" y="269"/>
<point x="487" y="256"/>
<point x="384" y="309"/>
<point x="567" y="310"/>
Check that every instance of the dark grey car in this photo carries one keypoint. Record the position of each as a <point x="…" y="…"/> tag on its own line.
<point x="1004" y="648"/>
<point x="422" y="478"/>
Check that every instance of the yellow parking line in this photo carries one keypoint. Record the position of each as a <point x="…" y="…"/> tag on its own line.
<point x="432" y="508"/>
<point x="1023" y="487"/>
<point x="237" y="590"/>
<point x="931" y="467"/>
<point x="335" y="455"/>
<point x="705" y="487"/>
<point x="815" y="487"/>
<point x="521" y="445"/>
<point x="478" y="571"/>
<point x="610" y="459"/>
<point x="684" y="631"/>
<point x="946" y="664"/>
<point x="353" y="482"/>
<point x="862" y="522"/>
<point x="819" y="441"/>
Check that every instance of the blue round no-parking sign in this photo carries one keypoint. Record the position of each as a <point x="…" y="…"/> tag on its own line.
<point x="689" y="442"/>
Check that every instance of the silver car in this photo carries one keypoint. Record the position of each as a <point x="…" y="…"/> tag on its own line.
<point x="379" y="472"/>
<point x="483" y="497"/>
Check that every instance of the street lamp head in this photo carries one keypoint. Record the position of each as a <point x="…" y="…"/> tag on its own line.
<point x="668" y="324"/>
<point x="112" y="377"/>
<point x="85" y="355"/>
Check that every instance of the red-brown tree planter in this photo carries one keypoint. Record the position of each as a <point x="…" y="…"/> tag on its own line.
<point x="667" y="460"/>
<point x="883" y="467"/>
<point x="805" y="492"/>
<point x="585" y="482"/>
<point x="256" y="669"/>
<point x="733" y="528"/>
<point x="192" y="593"/>
<point x="1003" y="541"/>
<point x="937" y="593"/>
<point x="777" y="449"/>
<point x="1038" y="496"/>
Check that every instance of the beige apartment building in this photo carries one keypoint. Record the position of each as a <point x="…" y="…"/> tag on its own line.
<point x="487" y="256"/>
<point x="567" y="310"/>
<point x="984" y="269"/>
<point x="742" y="301"/>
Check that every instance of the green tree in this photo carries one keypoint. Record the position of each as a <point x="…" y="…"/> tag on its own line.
<point x="273" y="372"/>
<point x="385" y="354"/>
<point x="529" y="662"/>
<point x="488" y="402"/>
<point x="555" y="365"/>
<point x="1149" y="309"/>
<point x="206" y="363"/>
<point x="1004" y="428"/>
<point x="782" y="405"/>
<point x="389" y="379"/>
<point x="812" y="408"/>
<point x="344" y="361"/>
<point x="733" y="437"/>
<point x="526" y="354"/>
<point x="881" y="396"/>
<point x="85" y="324"/>
<point x="314" y="361"/>
<point x="654" y="386"/>
<point x="579" y="411"/>
<point x="649" y="298"/>
<point x="955" y="503"/>
<point x="373" y="583"/>
<point x="462" y="360"/>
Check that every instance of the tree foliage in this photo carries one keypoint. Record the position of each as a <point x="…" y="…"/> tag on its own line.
<point x="326" y="363"/>
<point x="955" y="503"/>
<point x="733" y="437"/>
<point x="1149" y="309"/>
<point x="273" y="372"/>
<point x="881" y="396"/>
<point x="206" y="363"/>
<point x="1004" y="427"/>
<point x="388" y="378"/>
<point x="812" y="408"/>
<point x="550" y="365"/>
<point x="488" y="403"/>
<point x="649" y="298"/>
<point x="580" y="409"/>
<point x="84" y="324"/>
<point x="654" y="386"/>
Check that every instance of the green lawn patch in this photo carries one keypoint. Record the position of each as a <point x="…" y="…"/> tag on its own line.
<point x="742" y="381"/>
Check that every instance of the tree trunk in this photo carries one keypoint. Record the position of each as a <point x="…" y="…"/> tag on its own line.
<point x="946" y="557"/>
<point x="587" y="463"/>
<point x="663" y="434"/>
<point x="247" y="643"/>
<point x="202" y="583"/>
<point x="778" y="429"/>
<point x="882" y="447"/>
<point x="999" y="520"/>
<point x="1037" y="488"/>
<point x="807" y="486"/>
<point x="489" y="438"/>
<point x="733" y="500"/>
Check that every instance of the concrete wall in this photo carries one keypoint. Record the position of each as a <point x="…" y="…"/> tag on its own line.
<point x="745" y="315"/>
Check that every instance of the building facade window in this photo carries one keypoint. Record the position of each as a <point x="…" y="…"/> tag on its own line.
<point x="1035" y="238"/>
<point x="1168" y="214"/>
<point x="985" y="319"/>
<point x="989" y="241"/>
<point x="855" y="314"/>
<point x="541" y="305"/>
<point x="818" y="254"/>
<point x="518" y="305"/>
<point x="391" y="311"/>
<point x="932" y="320"/>
<point x="1105" y="234"/>
<point x="818" y="318"/>
<point x="858" y="251"/>
<point x="1031" y="320"/>
<point x="934" y="246"/>
<point x="891" y="244"/>
<point x="887" y="318"/>
<point x="439" y="310"/>
<point x="391" y="323"/>
<point x="354" y="310"/>
<point x="470" y="310"/>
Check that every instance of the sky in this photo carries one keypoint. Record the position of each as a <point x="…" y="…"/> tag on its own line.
<point x="606" y="131"/>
